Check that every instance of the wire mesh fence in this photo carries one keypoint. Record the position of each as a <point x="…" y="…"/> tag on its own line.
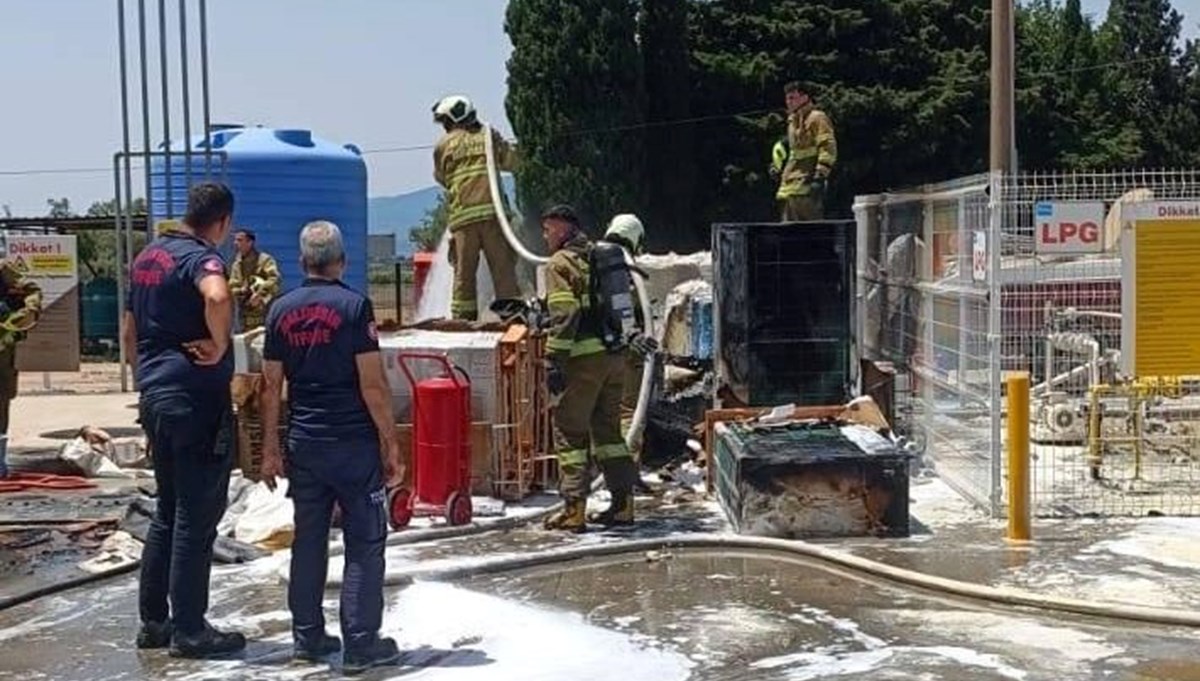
<point x="961" y="284"/>
<point x="390" y="288"/>
<point x="1103" y="442"/>
<point x="926" y="311"/>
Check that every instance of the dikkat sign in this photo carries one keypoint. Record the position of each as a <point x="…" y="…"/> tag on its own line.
<point x="1069" y="227"/>
<point x="52" y="263"/>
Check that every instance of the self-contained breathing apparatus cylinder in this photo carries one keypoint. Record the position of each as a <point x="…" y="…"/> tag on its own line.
<point x="612" y="294"/>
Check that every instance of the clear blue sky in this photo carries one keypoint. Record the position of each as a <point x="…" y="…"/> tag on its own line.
<point x="362" y="71"/>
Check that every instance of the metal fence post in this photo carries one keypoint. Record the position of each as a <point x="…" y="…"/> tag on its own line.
<point x="995" y="245"/>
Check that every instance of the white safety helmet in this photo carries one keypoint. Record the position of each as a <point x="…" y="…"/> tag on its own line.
<point x="628" y="228"/>
<point x="455" y="108"/>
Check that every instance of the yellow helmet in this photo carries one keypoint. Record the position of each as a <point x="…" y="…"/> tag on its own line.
<point x="163" y="226"/>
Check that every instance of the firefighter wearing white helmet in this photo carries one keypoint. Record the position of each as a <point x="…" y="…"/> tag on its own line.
<point x="627" y="231"/>
<point x="460" y="167"/>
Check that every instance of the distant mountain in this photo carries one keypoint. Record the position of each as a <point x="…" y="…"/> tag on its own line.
<point x="400" y="213"/>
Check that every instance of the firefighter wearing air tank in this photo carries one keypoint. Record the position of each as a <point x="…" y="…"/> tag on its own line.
<point x="590" y="302"/>
<point x="626" y="230"/>
<point x="460" y="166"/>
<point x="804" y="158"/>
<point x="20" y="307"/>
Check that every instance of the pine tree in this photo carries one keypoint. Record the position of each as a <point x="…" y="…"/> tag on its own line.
<point x="575" y="102"/>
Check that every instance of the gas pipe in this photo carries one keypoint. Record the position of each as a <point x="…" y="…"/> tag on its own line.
<point x="441" y="456"/>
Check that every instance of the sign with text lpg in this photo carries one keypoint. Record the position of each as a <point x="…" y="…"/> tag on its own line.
<point x="1069" y="227"/>
<point x="52" y="263"/>
<point x="1160" y="289"/>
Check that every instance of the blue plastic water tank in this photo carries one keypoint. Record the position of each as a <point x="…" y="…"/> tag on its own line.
<point x="281" y="180"/>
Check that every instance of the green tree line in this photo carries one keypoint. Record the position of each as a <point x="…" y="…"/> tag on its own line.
<point x="669" y="107"/>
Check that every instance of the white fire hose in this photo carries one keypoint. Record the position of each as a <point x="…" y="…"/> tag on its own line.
<point x="821" y="557"/>
<point x="643" y="403"/>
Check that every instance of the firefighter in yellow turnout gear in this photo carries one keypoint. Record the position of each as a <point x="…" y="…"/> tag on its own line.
<point x="254" y="280"/>
<point x="587" y="382"/>
<point x="20" y="308"/>
<point x="460" y="167"/>
<point x="804" y="159"/>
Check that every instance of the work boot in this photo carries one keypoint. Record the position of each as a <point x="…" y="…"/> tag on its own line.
<point x="618" y="514"/>
<point x="573" y="517"/>
<point x="381" y="652"/>
<point x="316" y="650"/>
<point x="208" y="643"/>
<point x="154" y="635"/>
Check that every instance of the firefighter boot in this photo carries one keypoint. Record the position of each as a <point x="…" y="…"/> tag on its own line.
<point x="620" y="475"/>
<point x="571" y="519"/>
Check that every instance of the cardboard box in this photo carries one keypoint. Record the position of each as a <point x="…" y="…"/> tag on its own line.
<point x="472" y="351"/>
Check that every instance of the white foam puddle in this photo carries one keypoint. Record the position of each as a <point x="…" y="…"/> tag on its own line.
<point x="1172" y="542"/>
<point x="461" y="635"/>
<point x="827" y="664"/>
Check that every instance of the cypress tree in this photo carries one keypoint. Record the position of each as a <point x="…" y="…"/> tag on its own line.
<point x="575" y="103"/>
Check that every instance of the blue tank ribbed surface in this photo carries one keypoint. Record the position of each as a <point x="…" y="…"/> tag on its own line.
<point x="281" y="179"/>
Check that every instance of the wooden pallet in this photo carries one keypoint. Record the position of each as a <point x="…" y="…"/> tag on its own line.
<point x="523" y="432"/>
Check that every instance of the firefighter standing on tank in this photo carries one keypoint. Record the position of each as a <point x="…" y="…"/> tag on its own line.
<point x="460" y="167"/>
<point x="20" y="307"/>
<point x="586" y="380"/>
<point x="804" y="159"/>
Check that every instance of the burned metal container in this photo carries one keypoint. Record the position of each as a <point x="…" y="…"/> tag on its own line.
<point x="784" y="312"/>
<point x="811" y="480"/>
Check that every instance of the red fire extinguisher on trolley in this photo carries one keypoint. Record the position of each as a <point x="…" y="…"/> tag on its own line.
<point x="441" y="446"/>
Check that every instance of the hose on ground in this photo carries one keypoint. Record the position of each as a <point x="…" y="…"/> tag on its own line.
<point x="51" y="589"/>
<point x="830" y="557"/>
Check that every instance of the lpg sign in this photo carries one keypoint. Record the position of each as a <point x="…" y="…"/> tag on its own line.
<point x="1069" y="227"/>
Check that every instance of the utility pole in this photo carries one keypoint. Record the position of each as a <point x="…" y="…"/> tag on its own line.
<point x="1003" y="119"/>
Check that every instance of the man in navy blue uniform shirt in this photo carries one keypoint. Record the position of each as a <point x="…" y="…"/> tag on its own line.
<point x="178" y="318"/>
<point x="341" y="444"/>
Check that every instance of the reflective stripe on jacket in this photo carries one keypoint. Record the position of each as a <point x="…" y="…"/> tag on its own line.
<point x="568" y="299"/>
<point x="460" y="167"/>
<point x="812" y="150"/>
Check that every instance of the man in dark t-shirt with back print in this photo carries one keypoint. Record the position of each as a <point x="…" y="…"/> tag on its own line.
<point x="177" y="327"/>
<point x="341" y="447"/>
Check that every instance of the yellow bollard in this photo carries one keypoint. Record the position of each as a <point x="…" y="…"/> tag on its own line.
<point x="1018" y="457"/>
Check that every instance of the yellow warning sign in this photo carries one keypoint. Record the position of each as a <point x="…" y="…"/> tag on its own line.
<point x="51" y="265"/>
<point x="1167" y="306"/>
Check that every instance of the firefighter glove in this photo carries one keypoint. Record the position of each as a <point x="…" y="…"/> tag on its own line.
<point x="643" y="345"/>
<point x="817" y="182"/>
<point x="556" y="376"/>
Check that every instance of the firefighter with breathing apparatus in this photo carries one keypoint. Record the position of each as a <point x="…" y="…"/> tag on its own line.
<point x="591" y="328"/>
<point x="626" y="231"/>
<point x="460" y="166"/>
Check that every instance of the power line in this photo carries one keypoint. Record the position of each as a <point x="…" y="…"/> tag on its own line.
<point x="53" y="171"/>
<point x="633" y="126"/>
